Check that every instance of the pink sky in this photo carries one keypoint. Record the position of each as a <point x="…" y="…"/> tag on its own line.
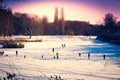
<point x="73" y="10"/>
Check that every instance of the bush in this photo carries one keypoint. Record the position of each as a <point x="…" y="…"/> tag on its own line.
<point x="12" y="44"/>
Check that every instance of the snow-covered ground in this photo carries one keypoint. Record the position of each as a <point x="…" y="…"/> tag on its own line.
<point x="69" y="66"/>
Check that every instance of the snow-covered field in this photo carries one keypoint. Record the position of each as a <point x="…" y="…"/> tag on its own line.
<point x="69" y="66"/>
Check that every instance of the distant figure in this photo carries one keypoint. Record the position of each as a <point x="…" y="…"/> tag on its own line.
<point x="104" y="56"/>
<point x="42" y="56"/>
<point x="64" y="45"/>
<point x="56" y="78"/>
<point x="54" y="57"/>
<point x="80" y="54"/>
<point x="16" y="53"/>
<point x="57" y="56"/>
<point x="10" y="76"/>
<point x="6" y="55"/>
<point x="53" y="50"/>
<point x="2" y="53"/>
<point x="88" y="55"/>
<point x="4" y="78"/>
<point x="59" y="77"/>
<point x="24" y="56"/>
<point x="51" y="77"/>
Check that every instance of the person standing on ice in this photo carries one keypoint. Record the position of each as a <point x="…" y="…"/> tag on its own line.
<point x="53" y="50"/>
<point x="42" y="56"/>
<point x="80" y="54"/>
<point x="104" y="56"/>
<point x="64" y="45"/>
<point x="16" y="53"/>
<point x="57" y="56"/>
<point x="25" y="56"/>
<point x="88" y="55"/>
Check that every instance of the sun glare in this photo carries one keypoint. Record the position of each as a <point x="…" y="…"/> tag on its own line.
<point x="72" y="11"/>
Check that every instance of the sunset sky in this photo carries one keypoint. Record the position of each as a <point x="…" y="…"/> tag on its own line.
<point x="82" y="10"/>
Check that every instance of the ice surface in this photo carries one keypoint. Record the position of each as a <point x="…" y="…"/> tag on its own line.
<point x="69" y="66"/>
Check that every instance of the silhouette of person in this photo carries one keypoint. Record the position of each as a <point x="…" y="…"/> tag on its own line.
<point x="53" y="50"/>
<point x="64" y="45"/>
<point x="42" y="56"/>
<point x="104" y="56"/>
<point x="54" y="57"/>
<point x="80" y="54"/>
<point x="88" y="55"/>
<point x="59" y="77"/>
<point x="24" y="56"/>
<point x="56" y="78"/>
<point x="4" y="78"/>
<point x="51" y="77"/>
<point x="16" y="53"/>
<point x="57" y="56"/>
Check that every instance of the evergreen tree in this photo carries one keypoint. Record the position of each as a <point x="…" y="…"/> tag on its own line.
<point x="62" y="22"/>
<point x="56" y="22"/>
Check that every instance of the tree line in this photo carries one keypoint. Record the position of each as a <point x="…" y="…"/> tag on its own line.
<point x="28" y="24"/>
<point x="109" y="31"/>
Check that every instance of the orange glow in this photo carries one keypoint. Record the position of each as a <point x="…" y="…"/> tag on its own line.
<point x="72" y="11"/>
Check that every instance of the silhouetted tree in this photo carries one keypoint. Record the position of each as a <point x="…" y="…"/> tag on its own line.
<point x="18" y="24"/>
<point x="6" y="21"/>
<point x="56" y="22"/>
<point x="110" y="23"/>
<point x="45" y="24"/>
<point x="62" y="22"/>
<point x="109" y="30"/>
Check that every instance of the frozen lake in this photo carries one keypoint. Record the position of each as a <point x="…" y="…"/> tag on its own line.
<point x="69" y="66"/>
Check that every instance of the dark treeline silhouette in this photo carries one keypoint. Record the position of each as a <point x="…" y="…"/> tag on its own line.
<point x="109" y="31"/>
<point x="28" y="24"/>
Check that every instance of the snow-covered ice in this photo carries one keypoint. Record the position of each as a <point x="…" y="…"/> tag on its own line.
<point x="69" y="66"/>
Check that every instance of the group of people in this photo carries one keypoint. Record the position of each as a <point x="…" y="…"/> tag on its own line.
<point x="17" y="54"/>
<point x="54" y="57"/>
<point x="55" y="77"/>
<point x="63" y="45"/>
<point x="9" y="76"/>
<point x="104" y="56"/>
